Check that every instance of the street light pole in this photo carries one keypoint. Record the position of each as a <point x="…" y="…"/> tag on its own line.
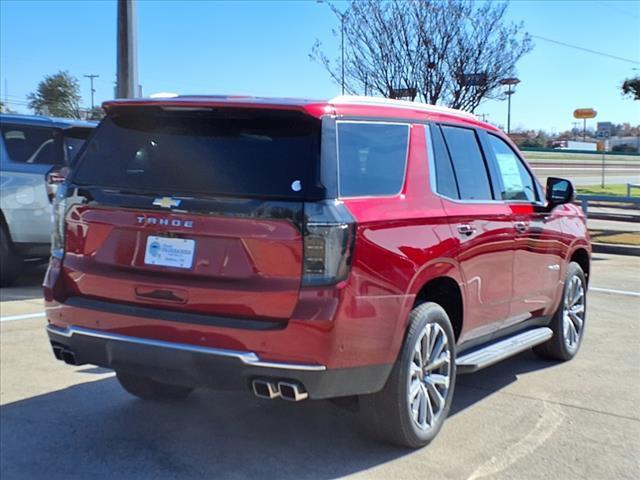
<point x="127" y="85"/>
<point x="509" y="82"/>
<point x="509" y="93"/>
<point x="93" y="90"/>
<point x="342" y="47"/>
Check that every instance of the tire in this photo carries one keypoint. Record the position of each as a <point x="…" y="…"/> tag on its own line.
<point x="149" y="389"/>
<point x="11" y="262"/>
<point x="568" y="329"/>
<point x="388" y="414"/>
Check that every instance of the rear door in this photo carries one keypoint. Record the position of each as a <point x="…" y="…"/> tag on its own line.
<point x="538" y="245"/>
<point x="199" y="211"/>
<point x="481" y="225"/>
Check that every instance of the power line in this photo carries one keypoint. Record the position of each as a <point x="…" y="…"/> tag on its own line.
<point x="595" y="52"/>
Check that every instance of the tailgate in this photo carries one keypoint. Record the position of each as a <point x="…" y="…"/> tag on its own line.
<point x="223" y="265"/>
<point x="196" y="209"/>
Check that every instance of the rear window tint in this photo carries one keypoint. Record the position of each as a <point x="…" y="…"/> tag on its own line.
<point x="446" y="183"/>
<point x="372" y="158"/>
<point x="234" y="153"/>
<point x="468" y="163"/>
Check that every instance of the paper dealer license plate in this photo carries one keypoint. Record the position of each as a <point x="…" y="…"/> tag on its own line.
<point x="169" y="252"/>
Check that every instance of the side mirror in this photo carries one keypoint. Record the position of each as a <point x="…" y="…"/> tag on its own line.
<point x="559" y="191"/>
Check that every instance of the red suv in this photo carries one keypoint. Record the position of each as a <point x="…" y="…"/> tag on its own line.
<point x="357" y="247"/>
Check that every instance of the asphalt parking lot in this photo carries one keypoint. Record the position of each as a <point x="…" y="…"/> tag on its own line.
<point x="524" y="418"/>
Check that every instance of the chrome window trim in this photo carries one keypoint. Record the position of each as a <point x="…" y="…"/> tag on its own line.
<point x="406" y="159"/>
<point x="248" y="358"/>
<point x="434" y="189"/>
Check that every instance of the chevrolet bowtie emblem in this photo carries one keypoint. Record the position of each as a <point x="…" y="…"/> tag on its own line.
<point x="167" y="202"/>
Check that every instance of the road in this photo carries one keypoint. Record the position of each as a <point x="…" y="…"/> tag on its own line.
<point x="585" y="169"/>
<point x="524" y="418"/>
<point x="585" y="176"/>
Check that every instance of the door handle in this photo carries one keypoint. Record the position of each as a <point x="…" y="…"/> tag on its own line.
<point x="466" y="229"/>
<point x="521" y="227"/>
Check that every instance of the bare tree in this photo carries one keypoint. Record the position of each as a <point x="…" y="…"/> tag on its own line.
<point x="453" y="52"/>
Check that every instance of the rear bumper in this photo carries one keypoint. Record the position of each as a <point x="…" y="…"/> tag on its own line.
<point x="192" y="365"/>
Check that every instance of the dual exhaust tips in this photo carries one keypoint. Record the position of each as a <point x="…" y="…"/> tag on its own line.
<point x="64" y="354"/>
<point x="290" y="391"/>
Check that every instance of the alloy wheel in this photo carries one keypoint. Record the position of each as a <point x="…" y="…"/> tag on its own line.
<point x="429" y="378"/>
<point x="573" y="314"/>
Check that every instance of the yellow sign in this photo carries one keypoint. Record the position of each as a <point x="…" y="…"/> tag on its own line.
<point x="584" y="113"/>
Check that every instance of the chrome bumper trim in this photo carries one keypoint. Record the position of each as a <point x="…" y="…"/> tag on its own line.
<point x="248" y="358"/>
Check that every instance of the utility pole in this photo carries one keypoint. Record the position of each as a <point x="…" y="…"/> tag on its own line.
<point x="91" y="76"/>
<point x="127" y="86"/>
<point x="483" y="116"/>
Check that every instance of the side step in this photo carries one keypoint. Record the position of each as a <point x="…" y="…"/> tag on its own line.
<point x="495" y="352"/>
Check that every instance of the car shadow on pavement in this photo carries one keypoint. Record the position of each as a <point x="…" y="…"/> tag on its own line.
<point x="472" y="388"/>
<point x="28" y="286"/>
<point x="94" y="429"/>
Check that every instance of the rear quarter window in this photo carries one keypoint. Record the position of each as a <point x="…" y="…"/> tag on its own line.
<point x="372" y="158"/>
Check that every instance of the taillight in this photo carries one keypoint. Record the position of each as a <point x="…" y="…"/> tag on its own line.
<point x="329" y="234"/>
<point x="54" y="179"/>
<point x="59" y="213"/>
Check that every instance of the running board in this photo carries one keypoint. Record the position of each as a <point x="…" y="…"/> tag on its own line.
<point x="495" y="352"/>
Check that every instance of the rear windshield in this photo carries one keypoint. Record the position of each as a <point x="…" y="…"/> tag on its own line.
<point x="233" y="152"/>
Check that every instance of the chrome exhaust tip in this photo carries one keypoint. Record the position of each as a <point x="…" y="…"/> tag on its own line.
<point x="69" y="357"/>
<point x="57" y="352"/>
<point x="265" y="389"/>
<point x="292" y="392"/>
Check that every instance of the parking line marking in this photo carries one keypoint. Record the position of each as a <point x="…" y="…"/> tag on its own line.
<point x="619" y="292"/>
<point x="21" y="317"/>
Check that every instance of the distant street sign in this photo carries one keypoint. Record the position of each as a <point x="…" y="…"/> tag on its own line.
<point x="403" y="93"/>
<point x="604" y="130"/>
<point x="584" y="113"/>
<point x="474" y="79"/>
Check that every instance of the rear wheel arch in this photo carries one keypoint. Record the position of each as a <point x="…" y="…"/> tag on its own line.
<point x="446" y="292"/>
<point x="581" y="257"/>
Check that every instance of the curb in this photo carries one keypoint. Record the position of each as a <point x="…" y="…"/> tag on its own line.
<point x="615" y="249"/>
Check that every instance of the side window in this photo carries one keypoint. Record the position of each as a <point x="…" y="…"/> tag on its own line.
<point x="371" y="158"/>
<point x="446" y="183"/>
<point x="517" y="183"/>
<point x="27" y="144"/>
<point x="468" y="163"/>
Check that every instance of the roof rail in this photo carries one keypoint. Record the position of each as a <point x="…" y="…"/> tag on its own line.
<point x="389" y="102"/>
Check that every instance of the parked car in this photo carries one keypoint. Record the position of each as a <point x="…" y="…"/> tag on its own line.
<point x="359" y="247"/>
<point x="33" y="153"/>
